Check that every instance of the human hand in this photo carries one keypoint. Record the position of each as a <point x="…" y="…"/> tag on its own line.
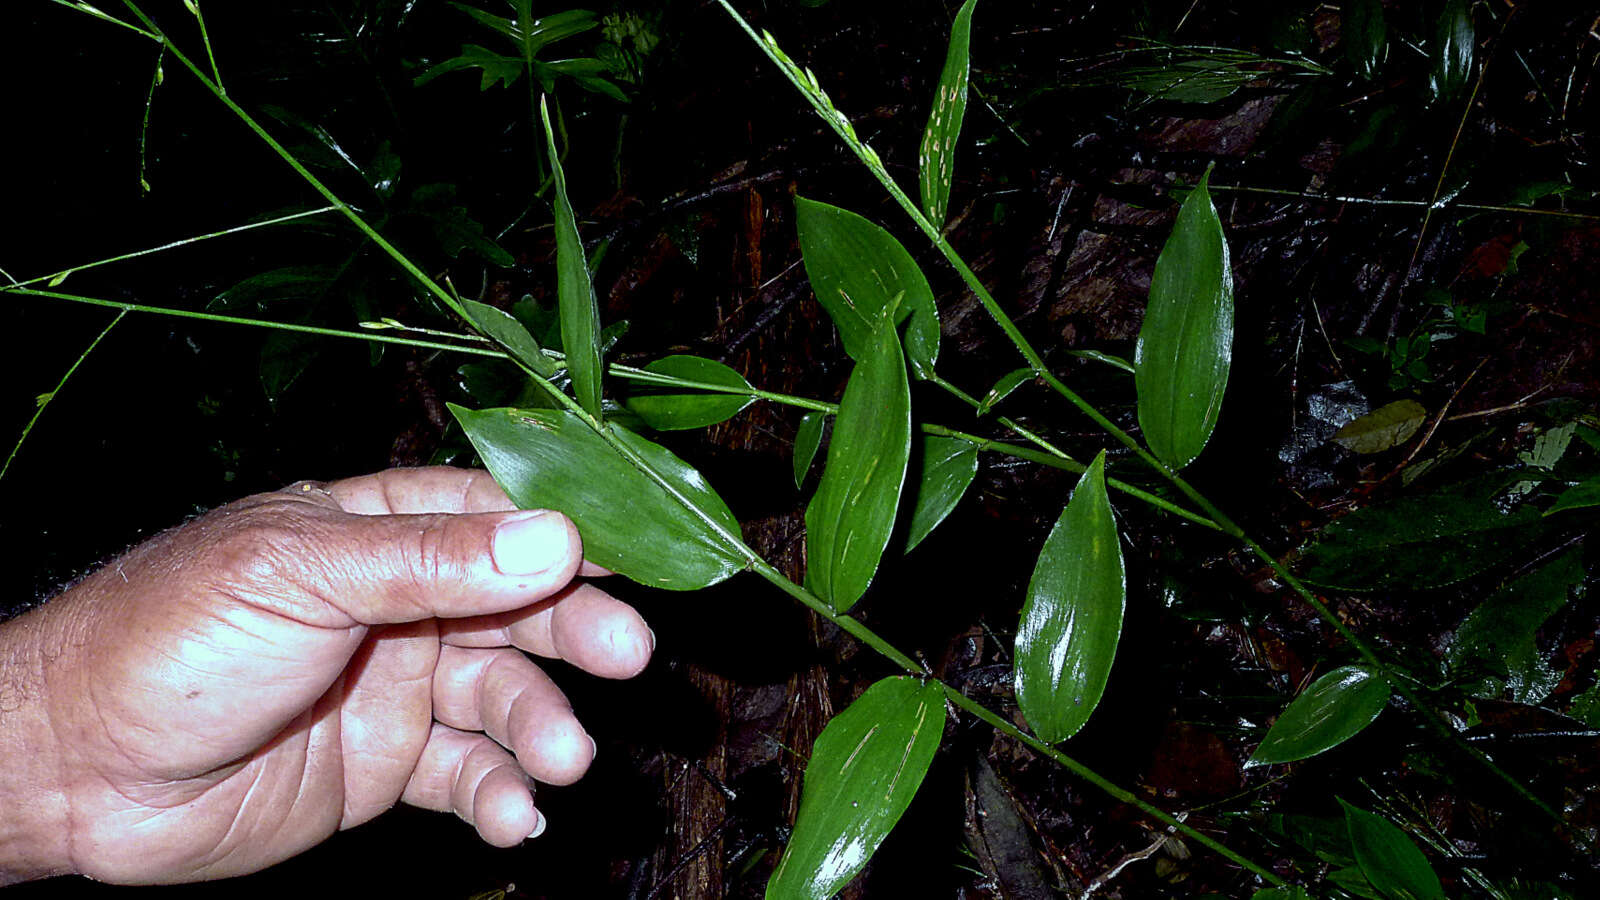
<point x="235" y="690"/>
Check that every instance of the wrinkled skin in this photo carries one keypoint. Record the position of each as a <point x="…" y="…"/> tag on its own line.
<point x="235" y="690"/>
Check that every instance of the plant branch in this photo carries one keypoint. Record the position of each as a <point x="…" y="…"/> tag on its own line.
<point x="46" y="399"/>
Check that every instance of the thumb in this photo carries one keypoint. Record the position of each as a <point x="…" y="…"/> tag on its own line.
<point x="339" y="568"/>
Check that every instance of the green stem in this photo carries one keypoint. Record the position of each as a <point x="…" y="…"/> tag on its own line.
<point x="205" y="38"/>
<point x="333" y="199"/>
<point x="90" y="10"/>
<point x="55" y="278"/>
<point x="1372" y="201"/>
<point x="257" y="323"/>
<point x="50" y="397"/>
<point x="806" y="84"/>
<point x="872" y="639"/>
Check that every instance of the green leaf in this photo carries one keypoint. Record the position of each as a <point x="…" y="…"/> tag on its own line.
<point x="1115" y="362"/>
<point x="1365" y="35"/>
<point x="497" y="67"/>
<point x="806" y="441"/>
<point x="1003" y="388"/>
<point x="580" y="314"/>
<point x="1579" y="496"/>
<point x="1426" y="541"/>
<point x="503" y="329"/>
<point x="1389" y="859"/>
<point x="849" y="520"/>
<point x="858" y="270"/>
<point x="1291" y="892"/>
<point x="1186" y="342"/>
<point x="1384" y="428"/>
<point x="1452" y="50"/>
<point x="1499" y="635"/>
<point x="1072" y="619"/>
<point x="676" y="409"/>
<point x="938" y="155"/>
<point x="864" y="770"/>
<point x="1335" y="708"/>
<point x="630" y="523"/>
<point x="948" y="467"/>
<point x="453" y="226"/>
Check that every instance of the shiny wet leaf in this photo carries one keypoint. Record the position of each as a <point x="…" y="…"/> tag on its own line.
<point x="1072" y="619"/>
<point x="938" y="154"/>
<point x="675" y="409"/>
<point x="1335" y="708"/>
<point x="864" y="770"/>
<point x="806" y="441"/>
<point x="858" y="270"/>
<point x="501" y="327"/>
<point x="630" y="523"/>
<point x="580" y="314"/>
<point x="947" y="469"/>
<point x="1185" y="345"/>
<point x="849" y="521"/>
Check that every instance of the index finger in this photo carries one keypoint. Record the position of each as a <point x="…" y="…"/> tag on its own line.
<point x="428" y="489"/>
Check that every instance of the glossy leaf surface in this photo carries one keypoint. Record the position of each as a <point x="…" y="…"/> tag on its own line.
<point x="551" y="459"/>
<point x="676" y="409"/>
<point x="1384" y="428"/>
<point x="1002" y="389"/>
<point x="948" y="467"/>
<point x="1496" y="641"/>
<point x="1365" y="35"/>
<point x="1389" y="859"/>
<point x="1426" y="541"/>
<point x="1335" y="708"/>
<point x="1186" y="342"/>
<point x="858" y="270"/>
<point x="806" y="441"/>
<point x="1072" y="619"/>
<point x="849" y="520"/>
<point x="937" y="158"/>
<point x="503" y="329"/>
<point x="864" y="770"/>
<point x="1452" y="50"/>
<point x="580" y="315"/>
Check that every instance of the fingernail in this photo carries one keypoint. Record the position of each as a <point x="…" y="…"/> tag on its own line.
<point x="594" y="748"/>
<point x="538" y="825"/>
<point x="652" y="638"/>
<point x="530" y="544"/>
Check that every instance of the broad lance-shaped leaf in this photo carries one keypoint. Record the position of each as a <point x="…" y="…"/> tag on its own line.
<point x="668" y="408"/>
<point x="1072" y="619"/>
<point x="1389" y="859"/>
<point x="551" y="459"/>
<point x="1384" y="428"/>
<point x="948" y="467"/>
<point x="849" y="520"/>
<point x="806" y="441"/>
<point x="864" y="769"/>
<point x="1364" y="35"/>
<point x="1452" y="50"/>
<point x="938" y="155"/>
<point x="1186" y="342"/>
<point x="858" y="270"/>
<point x="580" y="315"/>
<point x="1335" y="708"/>
<point x="506" y="331"/>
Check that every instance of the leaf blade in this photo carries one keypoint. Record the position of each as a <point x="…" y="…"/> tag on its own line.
<point x="939" y="139"/>
<point x="1384" y="428"/>
<point x="1185" y="344"/>
<point x="864" y="770"/>
<point x="1335" y="708"/>
<point x="580" y="314"/>
<point x="1072" y="618"/>
<point x="948" y="467"/>
<point x="1389" y="859"/>
<point x="858" y="270"/>
<point x="849" y="520"/>
<point x="499" y="326"/>
<point x="806" y="441"/>
<point x="678" y="409"/>
<point x="552" y="459"/>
